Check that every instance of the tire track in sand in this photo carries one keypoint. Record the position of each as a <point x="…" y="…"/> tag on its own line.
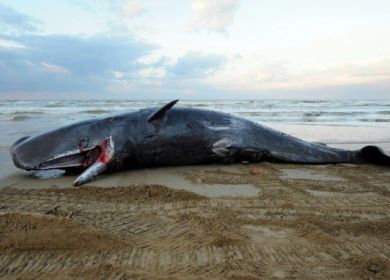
<point x="288" y="231"/>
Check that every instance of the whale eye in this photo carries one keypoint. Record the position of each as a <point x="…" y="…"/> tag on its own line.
<point x="83" y="144"/>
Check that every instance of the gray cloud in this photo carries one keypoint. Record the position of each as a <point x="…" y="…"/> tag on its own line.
<point x="13" y="21"/>
<point x="97" y="64"/>
<point x="67" y="63"/>
<point x="196" y="65"/>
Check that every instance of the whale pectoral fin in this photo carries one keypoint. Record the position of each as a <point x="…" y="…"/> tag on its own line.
<point x="228" y="154"/>
<point x="225" y="149"/>
<point x="100" y="165"/>
<point x="160" y="113"/>
<point x="231" y="151"/>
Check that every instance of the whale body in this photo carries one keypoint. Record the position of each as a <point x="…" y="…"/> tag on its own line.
<point x="172" y="136"/>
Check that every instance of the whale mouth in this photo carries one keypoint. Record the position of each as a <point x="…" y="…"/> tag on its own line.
<point x="82" y="159"/>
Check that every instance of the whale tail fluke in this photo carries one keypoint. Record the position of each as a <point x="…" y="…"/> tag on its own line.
<point x="374" y="155"/>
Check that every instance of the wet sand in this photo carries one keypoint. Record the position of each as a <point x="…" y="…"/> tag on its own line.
<point x="252" y="221"/>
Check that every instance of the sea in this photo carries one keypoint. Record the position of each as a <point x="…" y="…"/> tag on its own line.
<point x="339" y="123"/>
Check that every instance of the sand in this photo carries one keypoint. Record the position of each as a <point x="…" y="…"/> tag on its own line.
<point x="253" y="221"/>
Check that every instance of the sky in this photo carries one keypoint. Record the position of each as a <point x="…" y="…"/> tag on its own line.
<point x="194" y="49"/>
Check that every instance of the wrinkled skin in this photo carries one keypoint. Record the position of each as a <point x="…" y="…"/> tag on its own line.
<point x="179" y="136"/>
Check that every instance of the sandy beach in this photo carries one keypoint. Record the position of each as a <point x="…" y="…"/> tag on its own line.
<point x="92" y="87"/>
<point x="245" y="221"/>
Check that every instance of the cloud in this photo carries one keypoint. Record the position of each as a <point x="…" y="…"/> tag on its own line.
<point x="54" y="68"/>
<point x="196" y="65"/>
<point x="133" y="8"/>
<point x="13" y="21"/>
<point x="158" y="75"/>
<point x="9" y="44"/>
<point x="164" y="79"/>
<point x="214" y="15"/>
<point x="259" y="74"/>
<point x="62" y="63"/>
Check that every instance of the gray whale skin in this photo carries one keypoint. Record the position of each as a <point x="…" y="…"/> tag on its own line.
<point x="170" y="136"/>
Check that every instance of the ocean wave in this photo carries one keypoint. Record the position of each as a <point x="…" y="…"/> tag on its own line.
<point x="337" y="111"/>
<point x="300" y="113"/>
<point x="197" y="105"/>
<point x="334" y="113"/>
<point x="95" y="111"/>
<point x="311" y="101"/>
<point x="312" y="114"/>
<point x="369" y="104"/>
<point x="20" y="118"/>
<point x="375" y="120"/>
<point x="27" y="112"/>
<point x="54" y="105"/>
<point x="384" y="112"/>
<point x="251" y="113"/>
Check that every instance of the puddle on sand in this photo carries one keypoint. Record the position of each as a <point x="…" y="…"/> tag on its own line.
<point x="48" y="174"/>
<point x="168" y="176"/>
<point x="172" y="177"/>
<point x="293" y="174"/>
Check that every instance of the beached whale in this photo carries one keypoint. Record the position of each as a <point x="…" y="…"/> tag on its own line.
<point x="172" y="136"/>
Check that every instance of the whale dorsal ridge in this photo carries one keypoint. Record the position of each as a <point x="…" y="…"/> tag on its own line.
<point x="159" y="114"/>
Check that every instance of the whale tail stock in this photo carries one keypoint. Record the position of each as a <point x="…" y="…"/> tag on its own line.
<point x="374" y="155"/>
